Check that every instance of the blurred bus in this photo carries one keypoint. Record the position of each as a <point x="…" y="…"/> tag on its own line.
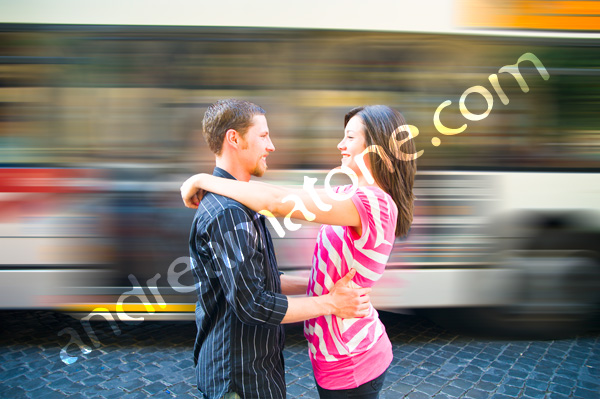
<point x="100" y="124"/>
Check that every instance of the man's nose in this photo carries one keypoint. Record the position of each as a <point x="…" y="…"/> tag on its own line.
<point x="270" y="146"/>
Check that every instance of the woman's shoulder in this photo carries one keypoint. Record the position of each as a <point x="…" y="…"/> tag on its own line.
<point x="376" y="195"/>
<point x="368" y="195"/>
<point x="374" y="192"/>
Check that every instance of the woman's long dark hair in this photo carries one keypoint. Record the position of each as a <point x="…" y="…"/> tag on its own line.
<point x="393" y="166"/>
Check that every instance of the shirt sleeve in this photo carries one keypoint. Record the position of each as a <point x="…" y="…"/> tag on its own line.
<point x="240" y="267"/>
<point x="378" y="215"/>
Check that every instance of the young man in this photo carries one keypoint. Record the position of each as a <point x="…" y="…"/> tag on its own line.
<point x="241" y="296"/>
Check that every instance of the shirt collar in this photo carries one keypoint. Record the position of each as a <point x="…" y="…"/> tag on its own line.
<point x="222" y="173"/>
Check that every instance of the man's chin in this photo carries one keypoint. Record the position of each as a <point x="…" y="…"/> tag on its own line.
<point x="259" y="172"/>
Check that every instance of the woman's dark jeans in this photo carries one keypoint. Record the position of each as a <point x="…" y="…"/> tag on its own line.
<point x="368" y="390"/>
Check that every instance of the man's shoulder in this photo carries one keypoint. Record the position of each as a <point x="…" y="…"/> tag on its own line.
<point x="214" y="206"/>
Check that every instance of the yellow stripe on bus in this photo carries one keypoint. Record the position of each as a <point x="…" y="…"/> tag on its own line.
<point x="133" y="308"/>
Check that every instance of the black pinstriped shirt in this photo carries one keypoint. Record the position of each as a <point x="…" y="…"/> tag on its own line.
<point x="240" y="340"/>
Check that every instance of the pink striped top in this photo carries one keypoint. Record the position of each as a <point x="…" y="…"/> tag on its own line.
<point x="346" y="353"/>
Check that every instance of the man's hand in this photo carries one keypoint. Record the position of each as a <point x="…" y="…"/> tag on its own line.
<point x="342" y="301"/>
<point x="190" y="194"/>
<point x="349" y="302"/>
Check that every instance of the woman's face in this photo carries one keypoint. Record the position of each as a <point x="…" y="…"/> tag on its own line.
<point x="353" y="144"/>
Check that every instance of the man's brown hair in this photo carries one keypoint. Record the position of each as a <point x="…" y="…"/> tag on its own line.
<point x="224" y="115"/>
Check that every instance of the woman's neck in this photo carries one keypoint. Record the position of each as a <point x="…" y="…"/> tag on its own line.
<point x="362" y="182"/>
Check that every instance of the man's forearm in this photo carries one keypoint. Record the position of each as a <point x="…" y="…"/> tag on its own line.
<point x="305" y="308"/>
<point x="341" y="301"/>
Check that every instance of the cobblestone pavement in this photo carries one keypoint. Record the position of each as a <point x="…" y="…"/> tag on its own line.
<point x="153" y="359"/>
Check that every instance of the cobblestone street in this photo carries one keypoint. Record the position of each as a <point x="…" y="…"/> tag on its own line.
<point x="153" y="359"/>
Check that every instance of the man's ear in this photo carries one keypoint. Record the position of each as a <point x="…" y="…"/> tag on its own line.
<point x="232" y="138"/>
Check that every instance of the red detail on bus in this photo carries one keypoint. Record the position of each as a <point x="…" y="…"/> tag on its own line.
<point x="37" y="180"/>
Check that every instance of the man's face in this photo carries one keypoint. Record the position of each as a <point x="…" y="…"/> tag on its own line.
<point x="256" y="146"/>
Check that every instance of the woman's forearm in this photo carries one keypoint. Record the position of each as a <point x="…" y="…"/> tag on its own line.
<point x="256" y="196"/>
<point x="272" y="200"/>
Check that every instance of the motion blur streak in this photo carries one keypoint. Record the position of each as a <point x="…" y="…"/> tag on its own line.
<point x="99" y="125"/>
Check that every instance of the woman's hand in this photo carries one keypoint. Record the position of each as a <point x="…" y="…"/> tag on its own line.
<point x="191" y="194"/>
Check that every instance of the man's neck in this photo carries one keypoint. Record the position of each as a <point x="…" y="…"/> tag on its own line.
<point x="233" y="167"/>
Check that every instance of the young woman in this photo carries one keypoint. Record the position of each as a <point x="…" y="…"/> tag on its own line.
<point x="360" y="223"/>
